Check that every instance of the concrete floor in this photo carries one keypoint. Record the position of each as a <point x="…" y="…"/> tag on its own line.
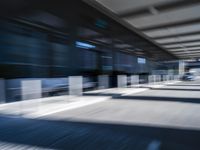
<point x="163" y="118"/>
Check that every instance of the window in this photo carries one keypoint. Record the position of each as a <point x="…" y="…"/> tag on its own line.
<point x="141" y="60"/>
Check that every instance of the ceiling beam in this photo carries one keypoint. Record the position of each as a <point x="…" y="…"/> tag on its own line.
<point x="176" y="35"/>
<point x="159" y="7"/>
<point x="178" y="47"/>
<point x="185" y="50"/>
<point x="179" y="42"/>
<point x="189" y="54"/>
<point x="168" y="25"/>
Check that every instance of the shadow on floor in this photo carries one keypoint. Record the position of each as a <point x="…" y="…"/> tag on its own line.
<point x="184" y="85"/>
<point x="102" y="94"/>
<point x="161" y="98"/>
<point x="72" y="135"/>
<point x="175" y="89"/>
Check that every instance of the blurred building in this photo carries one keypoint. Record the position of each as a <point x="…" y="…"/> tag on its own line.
<point x="57" y="39"/>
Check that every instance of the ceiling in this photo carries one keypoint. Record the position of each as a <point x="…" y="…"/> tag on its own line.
<point x="173" y="25"/>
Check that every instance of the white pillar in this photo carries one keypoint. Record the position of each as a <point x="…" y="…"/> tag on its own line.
<point x="121" y="81"/>
<point x="168" y="77"/>
<point x="2" y="91"/>
<point x="31" y="89"/>
<point x="181" y="67"/>
<point x="76" y="85"/>
<point x="103" y="81"/>
<point x="134" y="80"/>
<point x="150" y="79"/>
<point x="154" y="79"/>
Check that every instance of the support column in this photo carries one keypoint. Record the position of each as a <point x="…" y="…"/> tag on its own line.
<point x="181" y="68"/>
<point x="31" y="89"/>
<point x="151" y="79"/>
<point x="134" y="81"/>
<point x="121" y="81"/>
<point x="76" y="85"/>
